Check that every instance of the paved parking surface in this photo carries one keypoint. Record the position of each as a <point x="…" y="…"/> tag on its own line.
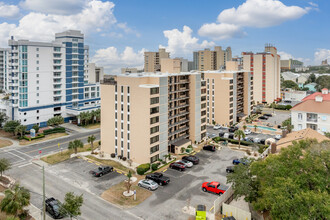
<point x="77" y="170"/>
<point x="278" y="117"/>
<point x="167" y="201"/>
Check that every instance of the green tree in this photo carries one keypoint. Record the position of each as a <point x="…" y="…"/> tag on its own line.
<point x="255" y="128"/>
<point x="36" y="128"/>
<point x="287" y="124"/>
<point x="71" y="205"/>
<point x="293" y="184"/>
<point x="74" y="145"/>
<point x="4" y="165"/>
<point x="128" y="183"/>
<point x="323" y="82"/>
<point x="91" y="140"/>
<point x="97" y="114"/>
<point x="10" y="126"/>
<point x="20" y="129"/>
<point x="240" y="135"/>
<point x="244" y="127"/>
<point x="327" y="134"/>
<point x="3" y="118"/>
<point x="182" y="149"/>
<point x="55" y="121"/>
<point x="15" y="200"/>
<point x="289" y="84"/>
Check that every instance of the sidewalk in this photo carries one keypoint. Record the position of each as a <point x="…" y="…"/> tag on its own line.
<point x="75" y="128"/>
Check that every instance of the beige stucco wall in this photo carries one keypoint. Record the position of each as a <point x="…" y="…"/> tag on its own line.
<point x="170" y="65"/>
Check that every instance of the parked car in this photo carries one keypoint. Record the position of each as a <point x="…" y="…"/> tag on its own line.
<point x="209" y="148"/>
<point x="159" y="178"/>
<point x="231" y="136"/>
<point x="177" y="166"/>
<point x="148" y="184"/>
<point x="214" y="187"/>
<point x="186" y="162"/>
<point x="226" y="135"/>
<point x="221" y="134"/>
<point x="268" y="115"/>
<point x="244" y="161"/>
<point x="101" y="171"/>
<point x="230" y="169"/>
<point x="249" y="139"/>
<point x="262" y="141"/>
<point x="232" y="129"/>
<point x="192" y="159"/>
<point x="256" y="140"/>
<point x="53" y="208"/>
<point x="216" y="127"/>
<point x="278" y="137"/>
<point x="247" y="131"/>
<point x="263" y="118"/>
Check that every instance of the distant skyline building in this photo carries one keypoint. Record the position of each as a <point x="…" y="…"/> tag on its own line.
<point x="211" y="59"/>
<point x="175" y="65"/>
<point x="50" y="79"/>
<point x="152" y="60"/>
<point x="4" y="68"/>
<point x="291" y="64"/>
<point x="265" y="67"/>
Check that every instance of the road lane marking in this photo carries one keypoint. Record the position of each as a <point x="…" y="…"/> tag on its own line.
<point x="211" y="208"/>
<point x="164" y="170"/>
<point x="22" y="153"/>
<point x="16" y="155"/>
<point x="24" y="165"/>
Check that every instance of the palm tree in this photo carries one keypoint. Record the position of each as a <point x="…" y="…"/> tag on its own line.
<point x="240" y="135"/>
<point x="255" y="128"/>
<point x="20" y="129"/>
<point x="128" y="184"/>
<point x="75" y="145"/>
<point x="97" y="113"/>
<point x="244" y="127"/>
<point x="91" y="140"/>
<point x="14" y="201"/>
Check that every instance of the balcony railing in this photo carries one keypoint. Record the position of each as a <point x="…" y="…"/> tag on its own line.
<point x="312" y="119"/>
<point x="178" y="139"/>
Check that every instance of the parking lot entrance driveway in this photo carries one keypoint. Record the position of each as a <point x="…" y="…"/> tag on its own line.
<point x="76" y="171"/>
<point x="185" y="187"/>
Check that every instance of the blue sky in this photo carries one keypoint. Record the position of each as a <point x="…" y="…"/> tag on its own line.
<point x="119" y="31"/>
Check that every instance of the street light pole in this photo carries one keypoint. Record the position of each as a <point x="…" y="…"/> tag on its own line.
<point x="43" y="193"/>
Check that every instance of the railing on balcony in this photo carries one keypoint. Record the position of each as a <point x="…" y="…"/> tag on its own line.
<point x="178" y="139"/>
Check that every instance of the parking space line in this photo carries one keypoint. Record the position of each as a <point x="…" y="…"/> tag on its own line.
<point x="98" y="164"/>
<point x="211" y="208"/>
<point x="164" y="170"/>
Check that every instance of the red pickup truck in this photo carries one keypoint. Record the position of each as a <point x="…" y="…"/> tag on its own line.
<point x="214" y="187"/>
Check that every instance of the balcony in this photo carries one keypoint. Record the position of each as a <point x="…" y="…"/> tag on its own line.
<point x="178" y="139"/>
<point x="178" y="131"/>
<point x="311" y="117"/>
<point x="178" y="115"/>
<point x="178" y="123"/>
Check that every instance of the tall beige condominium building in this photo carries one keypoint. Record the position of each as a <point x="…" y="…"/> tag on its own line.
<point x="265" y="68"/>
<point x="229" y="94"/>
<point x="146" y="115"/>
<point x="152" y="60"/>
<point x="212" y="59"/>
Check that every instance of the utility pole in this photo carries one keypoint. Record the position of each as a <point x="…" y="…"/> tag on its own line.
<point x="43" y="193"/>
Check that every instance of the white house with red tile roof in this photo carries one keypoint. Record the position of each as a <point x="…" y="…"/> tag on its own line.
<point x="313" y="112"/>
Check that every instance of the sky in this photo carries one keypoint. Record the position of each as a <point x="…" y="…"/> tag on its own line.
<point x="119" y="31"/>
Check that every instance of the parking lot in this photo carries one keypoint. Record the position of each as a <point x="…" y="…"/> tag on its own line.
<point x="185" y="187"/>
<point x="76" y="171"/>
<point x="278" y="117"/>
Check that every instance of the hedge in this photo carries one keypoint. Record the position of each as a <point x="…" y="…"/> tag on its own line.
<point x="141" y="169"/>
<point x="54" y="130"/>
<point x="36" y="137"/>
<point x="281" y="107"/>
<point x="233" y="141"/>
<point x="155" y="166"/>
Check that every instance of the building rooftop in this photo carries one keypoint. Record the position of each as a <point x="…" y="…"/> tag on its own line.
<point x="310" y="105"/>
<point x="325" y="95"/>
<point x="152" y="74"/>
<point x="300" y="135"/>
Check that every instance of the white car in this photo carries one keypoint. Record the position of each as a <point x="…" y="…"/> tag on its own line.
<point x="148" y="184"/>
<point x="247" y="131"/>
<point x="216" y="127"/>
<point x="226" y="135"/>
<point x="256" y="140"/>
<point x="186" y="162"/>
<point x="278" y="137"/>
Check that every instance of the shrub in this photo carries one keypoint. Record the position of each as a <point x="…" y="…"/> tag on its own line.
<point x="113" y="155"/>
<point x="120" y="157"/>
<point x="154" y="166"/>
<point x="143" y="168"/>
<point x="140" y="170"/>
<point x="38" y="136"/>
<point x="248" y="152"/>
<point x="124" y="158"/>
<point x="190" y="146"/>
<point x="217" y="139"/>
<point x="54" y="130"/>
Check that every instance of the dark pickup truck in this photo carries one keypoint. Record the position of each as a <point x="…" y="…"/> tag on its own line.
<point x="101" y="171"/>
<point x="159" y="178"/>
<point x="53" y="208"/>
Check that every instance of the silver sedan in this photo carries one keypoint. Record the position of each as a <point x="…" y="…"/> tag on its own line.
<point x="186" y="163"/>
<point x="148" y="184"/>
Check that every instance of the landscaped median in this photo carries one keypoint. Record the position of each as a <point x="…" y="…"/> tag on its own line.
<point x="47" y="134"/>
<point x="112" y="163"/>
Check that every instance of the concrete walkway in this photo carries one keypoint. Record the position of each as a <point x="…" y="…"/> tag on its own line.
<point x="75" y="128"/>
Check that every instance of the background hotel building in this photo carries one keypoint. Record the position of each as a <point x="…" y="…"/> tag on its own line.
<point x="265" y="68"/>
<point x="229" y="94"/>
<point x="211" y="59"/>
<point x="152" y="60"/>
<point x="146" y="115"/>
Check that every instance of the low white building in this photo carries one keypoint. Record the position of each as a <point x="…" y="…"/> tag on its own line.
<point x="293" y="95"/>
<point x="313" y="112"/>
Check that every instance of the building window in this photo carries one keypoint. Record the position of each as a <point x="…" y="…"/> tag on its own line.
<point x="299" y="126"/>
<point x="154" y="91"/>
<point x="299" y="116"/>
<point x="128" y="89"/>
<point x="128" y="154"/>
<point x="128" y="118"/>
<point x="154" y="158"/>
<point x="154" y="149"/>
<point x="154" y="120"/>
<point x="154" y="139"/>
<point x="154" y="100"/>
<point x="127" y="136"/>
<point x="37" y="117"/>
<point x="127" y="127"/>
<point x="122" y="89"/>
<point x="154" y="129"/>
<point x="154" y="110"/>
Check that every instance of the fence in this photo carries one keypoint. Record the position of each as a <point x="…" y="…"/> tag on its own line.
<point x="237" y="213"/>
<point x="226" y="197"/>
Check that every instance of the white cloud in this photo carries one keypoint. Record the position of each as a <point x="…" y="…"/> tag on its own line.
<point x="42" y="27"/>
<point x="220" y="31"/>
<point x="5" y="29"/>
<point x="252" y="13"/>
<point x="313" y="4"/>
<point x="62" y="7"/>
<point x="321" y="54"/>
<point x="285" y="55"/>
<point x="182" y="43"/>
<point x="127" y="29"/>
<point x="8" y="11"/>
<point x="113" y="61"/>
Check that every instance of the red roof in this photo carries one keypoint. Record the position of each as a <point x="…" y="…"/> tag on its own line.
<point x="326" y="97"/>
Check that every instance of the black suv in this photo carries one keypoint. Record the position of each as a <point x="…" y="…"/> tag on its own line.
<point x="101" y="171"/>
<point x="53" y="208"/>
<point x="263" y="117"/>
<point x="159" y="178"/>
<point x="230" y="169"/>
<point x="232" y="129"/>
<point x="209" y="147"/>
<point x="192" y="159"/>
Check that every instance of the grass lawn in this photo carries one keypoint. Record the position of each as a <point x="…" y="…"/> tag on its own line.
<point x="112" y="163"/>
<point x="65" y="155"/>
<point x="47" y="137"/>
<point x="5" y="143"/>
<point x="92" y="126"/>
<point x="115" y="195"/>
<point x="7" y="135"/>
